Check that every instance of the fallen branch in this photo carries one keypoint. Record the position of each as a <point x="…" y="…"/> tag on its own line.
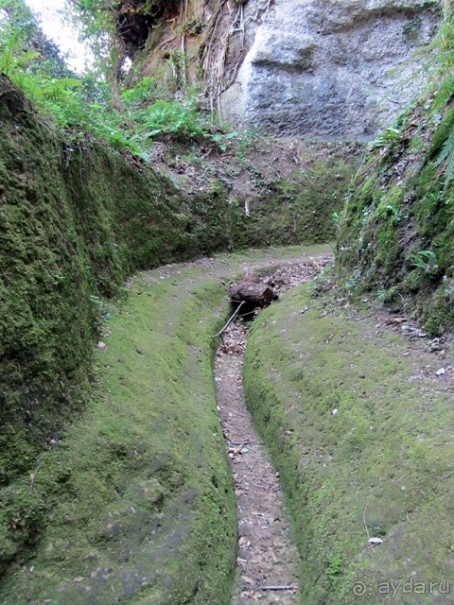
<point x="257" y="294"/>
<point x="289" y="587"/>
<point x="230" y="320"/>
<point x="35" y="472"/>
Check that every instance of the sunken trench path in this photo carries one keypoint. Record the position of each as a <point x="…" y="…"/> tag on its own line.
<point x="267" y="561"/>
<point x="134" y="503"/>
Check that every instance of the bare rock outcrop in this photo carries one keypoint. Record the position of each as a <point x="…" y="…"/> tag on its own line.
<point x="335" y="70"/>
<point x="332" y="70"/>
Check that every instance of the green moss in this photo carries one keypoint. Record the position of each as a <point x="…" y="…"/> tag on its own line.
<point x="403" y="211"/>
<point x="442" y="132"/>
<point x="48" y="320"/>
<point x="76" y="220"/>
<point x="294" y="211"/>
<point x="367" y="440"/>
<point x="138" y="504"/>
<point x="412" y="281"/>
<point x="208" y="224"/>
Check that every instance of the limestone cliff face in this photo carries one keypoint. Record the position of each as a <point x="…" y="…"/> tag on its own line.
<point x="333" y="69"/>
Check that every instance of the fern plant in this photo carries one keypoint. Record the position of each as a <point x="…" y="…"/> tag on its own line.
<point x="445" y="159"/>
<point x="426" y="260"/>
<point x="389" y="136"/>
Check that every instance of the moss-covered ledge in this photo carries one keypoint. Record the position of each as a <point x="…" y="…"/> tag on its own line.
<point x="359" y="426"/>
<point x="135" y="503"/>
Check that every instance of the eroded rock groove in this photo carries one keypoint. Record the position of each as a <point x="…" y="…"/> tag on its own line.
<point x="267" y="561"/>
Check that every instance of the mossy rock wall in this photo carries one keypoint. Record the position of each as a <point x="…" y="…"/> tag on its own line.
<point x="294" y="210"/>
<point x="69" y="214"/>
<point x="397" y="233"/>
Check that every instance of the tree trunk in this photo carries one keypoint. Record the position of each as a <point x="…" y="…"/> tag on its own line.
<point x="255" y="294"/>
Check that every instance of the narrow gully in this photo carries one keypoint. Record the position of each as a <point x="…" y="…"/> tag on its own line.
<point x="267" y="559"/>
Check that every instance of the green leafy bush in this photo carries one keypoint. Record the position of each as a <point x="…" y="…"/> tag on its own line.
<point x="83" y="105"/>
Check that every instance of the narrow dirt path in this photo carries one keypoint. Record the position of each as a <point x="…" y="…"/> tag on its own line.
<point x="267" y="562"/>
<point x="266" y="555"/>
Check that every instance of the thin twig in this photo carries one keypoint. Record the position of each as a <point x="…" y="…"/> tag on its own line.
<point x="365" y="526"/>
<point x="364" y="521"/>
<point x="289" y="587"/>
<point x="33" y="475"/>
<point x="404" y="306"/>
<point x="230" y="320"/>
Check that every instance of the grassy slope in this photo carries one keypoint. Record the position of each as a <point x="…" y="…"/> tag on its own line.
<point x="383" y="460"/>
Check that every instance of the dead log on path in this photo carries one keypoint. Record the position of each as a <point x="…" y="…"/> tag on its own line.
<point x="252" y="293"/>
